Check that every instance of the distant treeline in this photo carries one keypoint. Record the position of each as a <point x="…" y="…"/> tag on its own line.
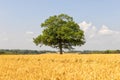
<point x="17" y="51"/>
<point x="97" y="52"/>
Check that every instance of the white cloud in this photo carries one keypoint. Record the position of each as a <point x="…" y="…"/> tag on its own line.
<point x="88" y="28"/>
<point x="103" y="38"/>
<point x="106" y="31"/>
<point x="85" y="26"/>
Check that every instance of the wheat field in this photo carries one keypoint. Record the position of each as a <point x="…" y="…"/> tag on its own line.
<point x="60" y="67"/>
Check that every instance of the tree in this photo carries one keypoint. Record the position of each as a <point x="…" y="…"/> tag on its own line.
<point x="60" y="31"/>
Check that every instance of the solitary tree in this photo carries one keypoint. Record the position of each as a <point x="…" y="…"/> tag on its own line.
<point x="60" y="31"/>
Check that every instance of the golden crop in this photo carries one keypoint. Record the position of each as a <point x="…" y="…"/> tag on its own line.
<point x="60" y="67"/>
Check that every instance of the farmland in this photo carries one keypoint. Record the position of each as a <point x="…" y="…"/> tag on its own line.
<point x="60" y="67"/>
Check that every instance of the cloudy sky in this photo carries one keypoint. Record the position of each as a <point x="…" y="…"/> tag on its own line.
<point x="20" y="21"/>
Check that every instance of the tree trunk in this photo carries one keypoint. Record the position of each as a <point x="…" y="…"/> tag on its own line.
<point x="60" y="47"/>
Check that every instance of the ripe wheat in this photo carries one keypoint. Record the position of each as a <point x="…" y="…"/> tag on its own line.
<point x="60" y="67"/>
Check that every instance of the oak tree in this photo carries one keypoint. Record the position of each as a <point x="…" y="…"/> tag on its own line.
<point x="60" y="31"/>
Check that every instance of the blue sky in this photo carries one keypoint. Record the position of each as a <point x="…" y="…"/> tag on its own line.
<point x="20" y="21"/>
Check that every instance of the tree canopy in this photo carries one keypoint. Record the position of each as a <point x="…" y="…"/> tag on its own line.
<point x="60" y="31"/>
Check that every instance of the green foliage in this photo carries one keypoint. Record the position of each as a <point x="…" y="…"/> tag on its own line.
<point x="60" y="31"/>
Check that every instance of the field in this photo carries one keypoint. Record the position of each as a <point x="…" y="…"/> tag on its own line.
<point x="60" y="67"/>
